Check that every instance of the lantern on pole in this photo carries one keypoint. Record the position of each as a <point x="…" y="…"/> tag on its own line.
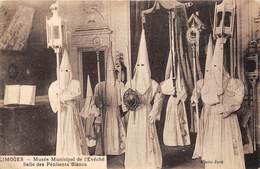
<point x="55" y="38"/>
<point x="193" y="36"/>
<point x="195" y="27"/>
<point x="54" y="29"/>
<point x="224" y="18"/>
<point x="224" y="22"/>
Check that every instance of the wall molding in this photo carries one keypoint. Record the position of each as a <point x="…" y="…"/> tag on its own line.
<point x="39" y="100"/>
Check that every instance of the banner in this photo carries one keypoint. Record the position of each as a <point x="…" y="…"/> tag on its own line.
<point x="53" y="162"/>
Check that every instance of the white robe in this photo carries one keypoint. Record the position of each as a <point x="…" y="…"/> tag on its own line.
<point x="89" y="112"/>
<point x="199" y="139"/>
<point x="70" y="134"/>
<point x="142" y="145"/>
<point x="108" y="95"/>
<point x="176" y="130"/>
<point x="219" y="142"/>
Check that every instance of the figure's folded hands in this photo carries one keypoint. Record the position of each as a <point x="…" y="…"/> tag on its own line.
<point x="181" y="96"/>
<point x="217" y="109"/>
<point x="226" y="114"/>
<point x="152" y="117"/>
<point x="193" y="100"/>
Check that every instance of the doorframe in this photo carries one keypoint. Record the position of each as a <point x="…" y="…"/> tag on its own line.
<point x="80" y="66"/>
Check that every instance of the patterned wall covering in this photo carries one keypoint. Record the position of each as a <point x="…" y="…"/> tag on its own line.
<point x="34" y="64"/>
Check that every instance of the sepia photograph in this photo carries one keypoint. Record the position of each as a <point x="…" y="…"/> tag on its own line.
<point x="129" y="84"/>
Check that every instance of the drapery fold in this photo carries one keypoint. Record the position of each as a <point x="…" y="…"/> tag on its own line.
<point x="158" y="39"/>
<point x="16" y="36"/>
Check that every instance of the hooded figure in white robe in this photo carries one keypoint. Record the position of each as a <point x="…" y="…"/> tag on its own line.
<point x="176" y="130"/>
<point x="89" y="112"/>
<point x="220" y="143"/>
<point x="142" y="145"/>
<point x="107" y="97"/>
<point x="199" y="141"/>
<point x="62" y="96"/>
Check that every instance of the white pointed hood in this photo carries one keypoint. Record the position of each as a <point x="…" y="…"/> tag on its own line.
<point x="65" y="71"/>
<point x="89" y="109"/>
<point x="209" y="57"/>
<point x="110" y="70"/>
<point x="217" y="70"/>
<point x="89" y="89"/>
<point x="214" y="82"/>
<point x="142" y="76"/>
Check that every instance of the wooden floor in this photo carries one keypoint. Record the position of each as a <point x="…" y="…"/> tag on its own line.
<point x="178" y="158"/>
<point x="174" y="160"/>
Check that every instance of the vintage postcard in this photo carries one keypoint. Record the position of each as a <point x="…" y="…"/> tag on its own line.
<point x="129" y="84"/>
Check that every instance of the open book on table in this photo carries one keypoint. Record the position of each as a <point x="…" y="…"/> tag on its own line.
<point x="19" y="94"/>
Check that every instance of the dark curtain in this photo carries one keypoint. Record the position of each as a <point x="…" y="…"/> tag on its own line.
<point x="157" y="37"/>
<point x="136" y="26"/>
